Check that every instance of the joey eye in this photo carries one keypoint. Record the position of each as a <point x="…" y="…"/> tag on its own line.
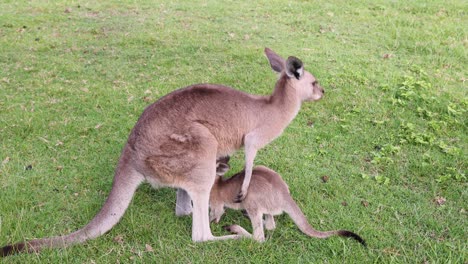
<point x="314" y="83"/>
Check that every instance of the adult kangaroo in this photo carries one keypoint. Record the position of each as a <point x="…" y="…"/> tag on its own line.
<point x="177" y="140"/>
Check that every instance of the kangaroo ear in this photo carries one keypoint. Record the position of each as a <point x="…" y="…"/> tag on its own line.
<point x="276" y="62"/>
<point x="294" y="67"/>
<point x="221" y="168"/>
<point x="223" y="160"/>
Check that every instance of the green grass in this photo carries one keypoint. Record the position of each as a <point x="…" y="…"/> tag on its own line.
<point x="390" y="133"/>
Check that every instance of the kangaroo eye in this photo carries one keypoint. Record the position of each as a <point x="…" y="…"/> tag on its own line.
<point x="314" y="83"/>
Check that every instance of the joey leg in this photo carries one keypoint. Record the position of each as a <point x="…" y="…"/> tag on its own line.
<point x="215" y="213"/>
<point x="257" y="225"/>
<point x="237" y="229"/>
<point x="245" y="214"/>
<point x="269" y="222"/>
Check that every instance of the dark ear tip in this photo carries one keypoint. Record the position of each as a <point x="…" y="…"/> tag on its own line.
<point x="295" y="62"/>
<point x="294" y="67"/>
<point x="222" y="168"/>
<point x="224" y="160"/>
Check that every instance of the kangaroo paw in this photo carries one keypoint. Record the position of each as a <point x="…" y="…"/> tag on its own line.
<point x="240" y="197"/>
<point x="228" y="228"/>
<point x="238" y="230"/>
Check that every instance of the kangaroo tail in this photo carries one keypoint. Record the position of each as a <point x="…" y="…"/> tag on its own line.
<point x="126" y="181"/>
<point x="346" y="233"/>
<point x="300" y="220"/>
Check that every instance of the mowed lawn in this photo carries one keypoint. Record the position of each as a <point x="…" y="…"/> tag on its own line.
<point x="384" y="153"/>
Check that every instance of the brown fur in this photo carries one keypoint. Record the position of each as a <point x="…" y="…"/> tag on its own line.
<point x="177" y="139"/>
<point x="268" y="195"/>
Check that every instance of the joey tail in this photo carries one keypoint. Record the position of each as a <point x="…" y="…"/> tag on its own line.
<point x="124" y="186"/>
<point x="346" y="233"/>
<point x="301" y="221"/>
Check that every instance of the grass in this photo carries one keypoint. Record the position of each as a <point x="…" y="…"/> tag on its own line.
<point x="391" y="133"/>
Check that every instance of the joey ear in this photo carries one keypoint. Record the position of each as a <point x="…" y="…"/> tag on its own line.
<point x="221" y="168"/>
<point x="294" y="67"/>
<point x="276" y="62"/>
<point x="223" y="160"/>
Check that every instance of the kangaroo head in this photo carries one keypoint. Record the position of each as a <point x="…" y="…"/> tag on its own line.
<point x="222" y="166"/>
<point x="303" y="81"/>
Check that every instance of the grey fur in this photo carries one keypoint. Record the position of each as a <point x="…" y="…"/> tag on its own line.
<point x="268" y="196"/>
<point x="177" y="140"/>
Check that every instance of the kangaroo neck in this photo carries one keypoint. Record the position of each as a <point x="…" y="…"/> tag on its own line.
<point x="285" y="100"/>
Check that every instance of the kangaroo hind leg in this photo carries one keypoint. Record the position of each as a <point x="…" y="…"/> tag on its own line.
<point x="270" y="222"/>
<point x="183" y="203"/>
<point x="257" y="225"/>
<point x="199" y="180"/>
<point x="199" y="191"/>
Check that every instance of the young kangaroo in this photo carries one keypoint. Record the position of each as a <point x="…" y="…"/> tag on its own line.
<point x="177" y="140"/>
<point x="268" y="195"/>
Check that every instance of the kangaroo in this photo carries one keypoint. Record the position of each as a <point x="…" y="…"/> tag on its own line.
<point x="268" y="195"/>
<point x="177" y="140"/>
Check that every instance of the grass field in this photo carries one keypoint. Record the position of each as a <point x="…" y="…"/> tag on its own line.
<point x="390" y="134"/>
